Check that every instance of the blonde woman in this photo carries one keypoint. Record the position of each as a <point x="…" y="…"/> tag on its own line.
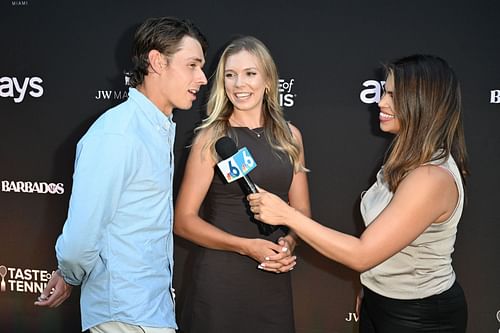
<point x="241" y="280"/>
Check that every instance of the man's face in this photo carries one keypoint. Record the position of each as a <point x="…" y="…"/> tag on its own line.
<point x="183" y="76"/>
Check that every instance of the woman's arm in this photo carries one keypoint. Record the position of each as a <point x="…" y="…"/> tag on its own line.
<point x="188" y="224"/>
<point x="298" y="198"/>
<point x="427" y="195"/>
<point x="298" y="195"/>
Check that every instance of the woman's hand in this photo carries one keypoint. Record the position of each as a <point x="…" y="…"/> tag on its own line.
<point x="269" y="208"/>
<point x="272" y="257"/>
<point x="283" y="261"/>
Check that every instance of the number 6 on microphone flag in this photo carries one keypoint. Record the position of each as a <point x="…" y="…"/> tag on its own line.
<point x="237" y="166"/>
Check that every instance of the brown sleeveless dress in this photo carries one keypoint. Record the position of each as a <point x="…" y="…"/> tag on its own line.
<point x="229" y="294"/>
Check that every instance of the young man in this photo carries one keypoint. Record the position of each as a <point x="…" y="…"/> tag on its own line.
<point x="117" y="241"/>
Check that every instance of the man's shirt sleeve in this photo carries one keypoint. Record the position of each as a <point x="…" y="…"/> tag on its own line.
<point x="101" y="172"/>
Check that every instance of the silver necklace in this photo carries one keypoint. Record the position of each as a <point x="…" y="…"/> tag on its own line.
<point x="257" y="133"/>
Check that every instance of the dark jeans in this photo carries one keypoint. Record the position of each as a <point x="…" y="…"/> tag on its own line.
<point x="443" y="313"/>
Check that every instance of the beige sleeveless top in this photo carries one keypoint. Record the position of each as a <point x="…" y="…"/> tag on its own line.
<point x="423" y="268"/>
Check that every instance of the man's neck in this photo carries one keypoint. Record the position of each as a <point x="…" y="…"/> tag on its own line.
<point x="155" y="98"/>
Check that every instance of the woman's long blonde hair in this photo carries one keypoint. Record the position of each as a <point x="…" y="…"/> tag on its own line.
<point x="428" y="106"/>
<point x="220" y="108"/>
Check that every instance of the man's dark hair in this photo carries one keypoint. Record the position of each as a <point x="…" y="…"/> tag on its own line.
<point x="163" y="34"/>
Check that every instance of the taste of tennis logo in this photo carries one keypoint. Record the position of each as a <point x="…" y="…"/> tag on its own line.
<point x="286" y="96"/>
<point x="23" y="280"/>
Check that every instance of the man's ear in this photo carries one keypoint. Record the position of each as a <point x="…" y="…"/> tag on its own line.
<point x="156" y="61"/>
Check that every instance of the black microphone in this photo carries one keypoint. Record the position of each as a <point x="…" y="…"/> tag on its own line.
<point x="225" y="148"/>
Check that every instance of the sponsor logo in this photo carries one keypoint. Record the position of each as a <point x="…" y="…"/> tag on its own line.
<point x="495" y="97"/>
<point x="111" y="94"/>
<point x="19" y="3"/>
<point x="352" y="317"/>
<point x="114" y="94"/>
<point x="373" y="91"/>
<point x="18" y="89"/>
<point x="285" y="89"/>
<point x="23" y="280"/>
<point x="287" y="98"/>
<point x="31" y="187"/>
<point x="498" y="319"/>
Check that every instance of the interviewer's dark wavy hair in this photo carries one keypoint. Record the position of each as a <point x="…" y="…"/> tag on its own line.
<point x="163" y="34"/>
<point x="428" y="105"/>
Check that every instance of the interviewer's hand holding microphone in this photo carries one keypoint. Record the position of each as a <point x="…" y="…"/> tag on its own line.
<point x="269" y="208"/>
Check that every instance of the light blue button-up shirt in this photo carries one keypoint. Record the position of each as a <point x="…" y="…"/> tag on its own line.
<point x="117" y="241"/>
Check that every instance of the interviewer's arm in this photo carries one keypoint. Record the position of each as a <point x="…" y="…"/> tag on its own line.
<point x="427" y="195"/>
